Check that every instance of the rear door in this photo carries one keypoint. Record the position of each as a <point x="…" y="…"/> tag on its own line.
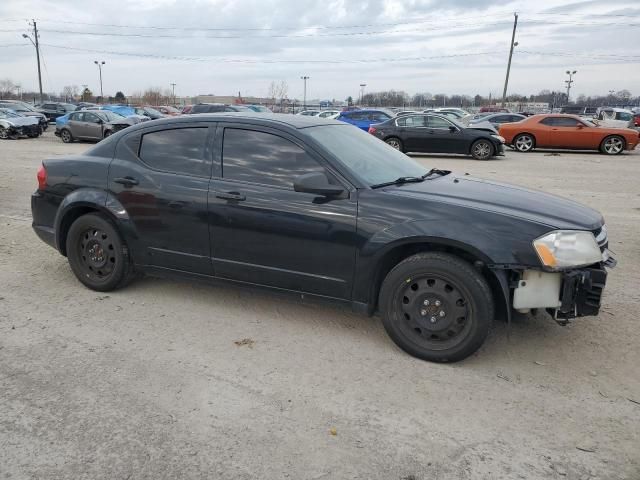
<point x="161" y="176"/>
<point x="76" y="124"/>
<point x="264" y="232"/>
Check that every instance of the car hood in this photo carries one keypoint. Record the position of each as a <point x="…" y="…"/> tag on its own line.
<point x="22" y="121"/>
<point x="483" y="126"/>
<point x="32" y="114"/>
<point x="501" y="198"/>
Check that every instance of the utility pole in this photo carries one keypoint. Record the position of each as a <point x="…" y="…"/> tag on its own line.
<point x="35" y="43"/>
<point x="304" y="101"/>
<point x="173" y="93"/>
<point x="569" y="82"/>
<point x="362" y="85"/>
<point x="100" y="68"/>
<point x="513" y="44"/>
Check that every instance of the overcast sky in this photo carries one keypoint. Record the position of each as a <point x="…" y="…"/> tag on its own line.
<point x="223" y="46"/>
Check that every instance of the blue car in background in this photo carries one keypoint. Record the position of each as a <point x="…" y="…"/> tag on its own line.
<point x="364" y="118"/>
<point x="123" y="110"/>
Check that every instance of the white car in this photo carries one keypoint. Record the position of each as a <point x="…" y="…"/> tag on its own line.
<point x="615" y="117"/>
<point x="329" y="114"/>
<point x="309" y="113"/>
<point x="14" y="125"/>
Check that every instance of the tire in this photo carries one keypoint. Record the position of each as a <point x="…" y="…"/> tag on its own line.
<point x="613" y="145"/>
<point x="395" y="142"/>
<point x="482" y="149"/>
<point x="65" y="136"/>
<point x="436" y="307"/>
<point x="524" y="142"/>
<point x="4" y="133"/>
<point x="97" y="254"/>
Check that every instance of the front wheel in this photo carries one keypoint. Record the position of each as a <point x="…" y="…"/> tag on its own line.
<point x="436" y="307"/>
<point x="612" y="145"/>
<point x="395" y="143"/>
<point x="482" y="150"/>
<point x="4" y="133"/>
<point x="97" y="254"/>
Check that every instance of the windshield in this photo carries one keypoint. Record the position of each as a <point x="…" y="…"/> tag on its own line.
<point x="364" y="155"/>
<point x="151" y="111"/>
<point x="109" y="116"/>
<point x="18" y="107"/>
<point x="9" y="114"/>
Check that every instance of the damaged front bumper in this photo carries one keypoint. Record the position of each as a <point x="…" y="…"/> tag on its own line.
<point x="565" y="295"/>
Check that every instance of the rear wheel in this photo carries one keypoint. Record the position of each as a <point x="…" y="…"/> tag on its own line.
<point x="436" y="307"/>
<point x="482" y="149"/>
<point x="65" y="136"/>
<point x="524" y="142"/>
<point x="97" y="254"/>
<point x="395" y="143"/>
<point x="612" y="145"/>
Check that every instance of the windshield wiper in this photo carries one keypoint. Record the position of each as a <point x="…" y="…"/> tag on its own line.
<point x="436" y="171"/>
<point x="399" y="181"/>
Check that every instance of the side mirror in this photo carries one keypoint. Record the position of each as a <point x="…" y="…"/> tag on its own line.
<point x="453" y="129"/>
<point x="317" y="183"/>
<point x="580" y="127"/>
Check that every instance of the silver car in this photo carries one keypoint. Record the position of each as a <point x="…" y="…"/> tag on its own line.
<point x="92" y="125"/>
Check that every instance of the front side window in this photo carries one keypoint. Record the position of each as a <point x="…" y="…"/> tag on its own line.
<point x="260" y="157"/>
<point x="438" y="122"/>
<point x="179" y="151"/>
<point x="549" y="121"/>
<point x="566" y="122"/>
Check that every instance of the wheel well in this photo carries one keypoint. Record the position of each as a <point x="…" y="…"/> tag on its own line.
<point x="68" y="219"/>
<point x="396" y="255"/>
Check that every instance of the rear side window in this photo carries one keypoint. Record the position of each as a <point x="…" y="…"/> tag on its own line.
<point x="357" y="117"/>
<point x="260" y="157"/>
<point x="178" y="151"/>
<point x="379" y="117"/>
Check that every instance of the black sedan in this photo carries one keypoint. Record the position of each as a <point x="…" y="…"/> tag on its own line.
<point x="53" y="110"/>
<point x="320" y="208"/>
<point x="429" y="133"/>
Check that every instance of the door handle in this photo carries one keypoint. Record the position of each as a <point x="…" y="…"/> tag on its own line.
<point x="231" y="196"/>
<point x="126" y="181"/>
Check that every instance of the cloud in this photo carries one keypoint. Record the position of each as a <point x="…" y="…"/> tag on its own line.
<point x="345" y="31"/>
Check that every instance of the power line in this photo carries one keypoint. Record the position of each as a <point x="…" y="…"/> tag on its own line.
<point x="419" y="20"/>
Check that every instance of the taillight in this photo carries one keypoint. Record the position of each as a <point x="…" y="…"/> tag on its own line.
<point x="42" y="177"/>
<point x="372" y="130"/>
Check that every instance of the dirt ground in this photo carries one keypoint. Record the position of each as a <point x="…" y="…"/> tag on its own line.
<point x="174" y="380"/>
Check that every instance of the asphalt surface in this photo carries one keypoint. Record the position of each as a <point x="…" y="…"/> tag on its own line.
<point x="169" y="379"/>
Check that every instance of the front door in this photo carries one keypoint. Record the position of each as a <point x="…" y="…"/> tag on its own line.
<point x="91" y="126"/>
<point x="567" y="132"/>
<point x="161" y="177"/>
<point x="444" y="136"/>
<point x="264" y="232"/>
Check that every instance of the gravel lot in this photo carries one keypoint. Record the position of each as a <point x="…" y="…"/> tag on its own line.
<point x="183" y="380"/>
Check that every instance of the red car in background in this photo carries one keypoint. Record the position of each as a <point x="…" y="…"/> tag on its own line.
<point x="168" y="110"/>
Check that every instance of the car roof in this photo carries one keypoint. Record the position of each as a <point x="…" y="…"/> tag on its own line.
<point x="279" y="119"/>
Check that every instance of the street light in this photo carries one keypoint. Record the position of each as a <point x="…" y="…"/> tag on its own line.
<point x="304" y="101"/>
<point x="569" y="82"/>
<point x="99" y="64"/>
<point x="35" y="44"/>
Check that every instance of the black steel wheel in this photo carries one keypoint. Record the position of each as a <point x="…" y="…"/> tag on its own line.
<point x="395" y="142"/>
<point x="482" y="149"/>
<point x="97" y="254"/>
<point x="65" y="136"/>
<point x="436" y="307"/>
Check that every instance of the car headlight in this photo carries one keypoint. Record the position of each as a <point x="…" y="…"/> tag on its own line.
<point x="499" y="138"/>
<point x="567" y="248"/>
